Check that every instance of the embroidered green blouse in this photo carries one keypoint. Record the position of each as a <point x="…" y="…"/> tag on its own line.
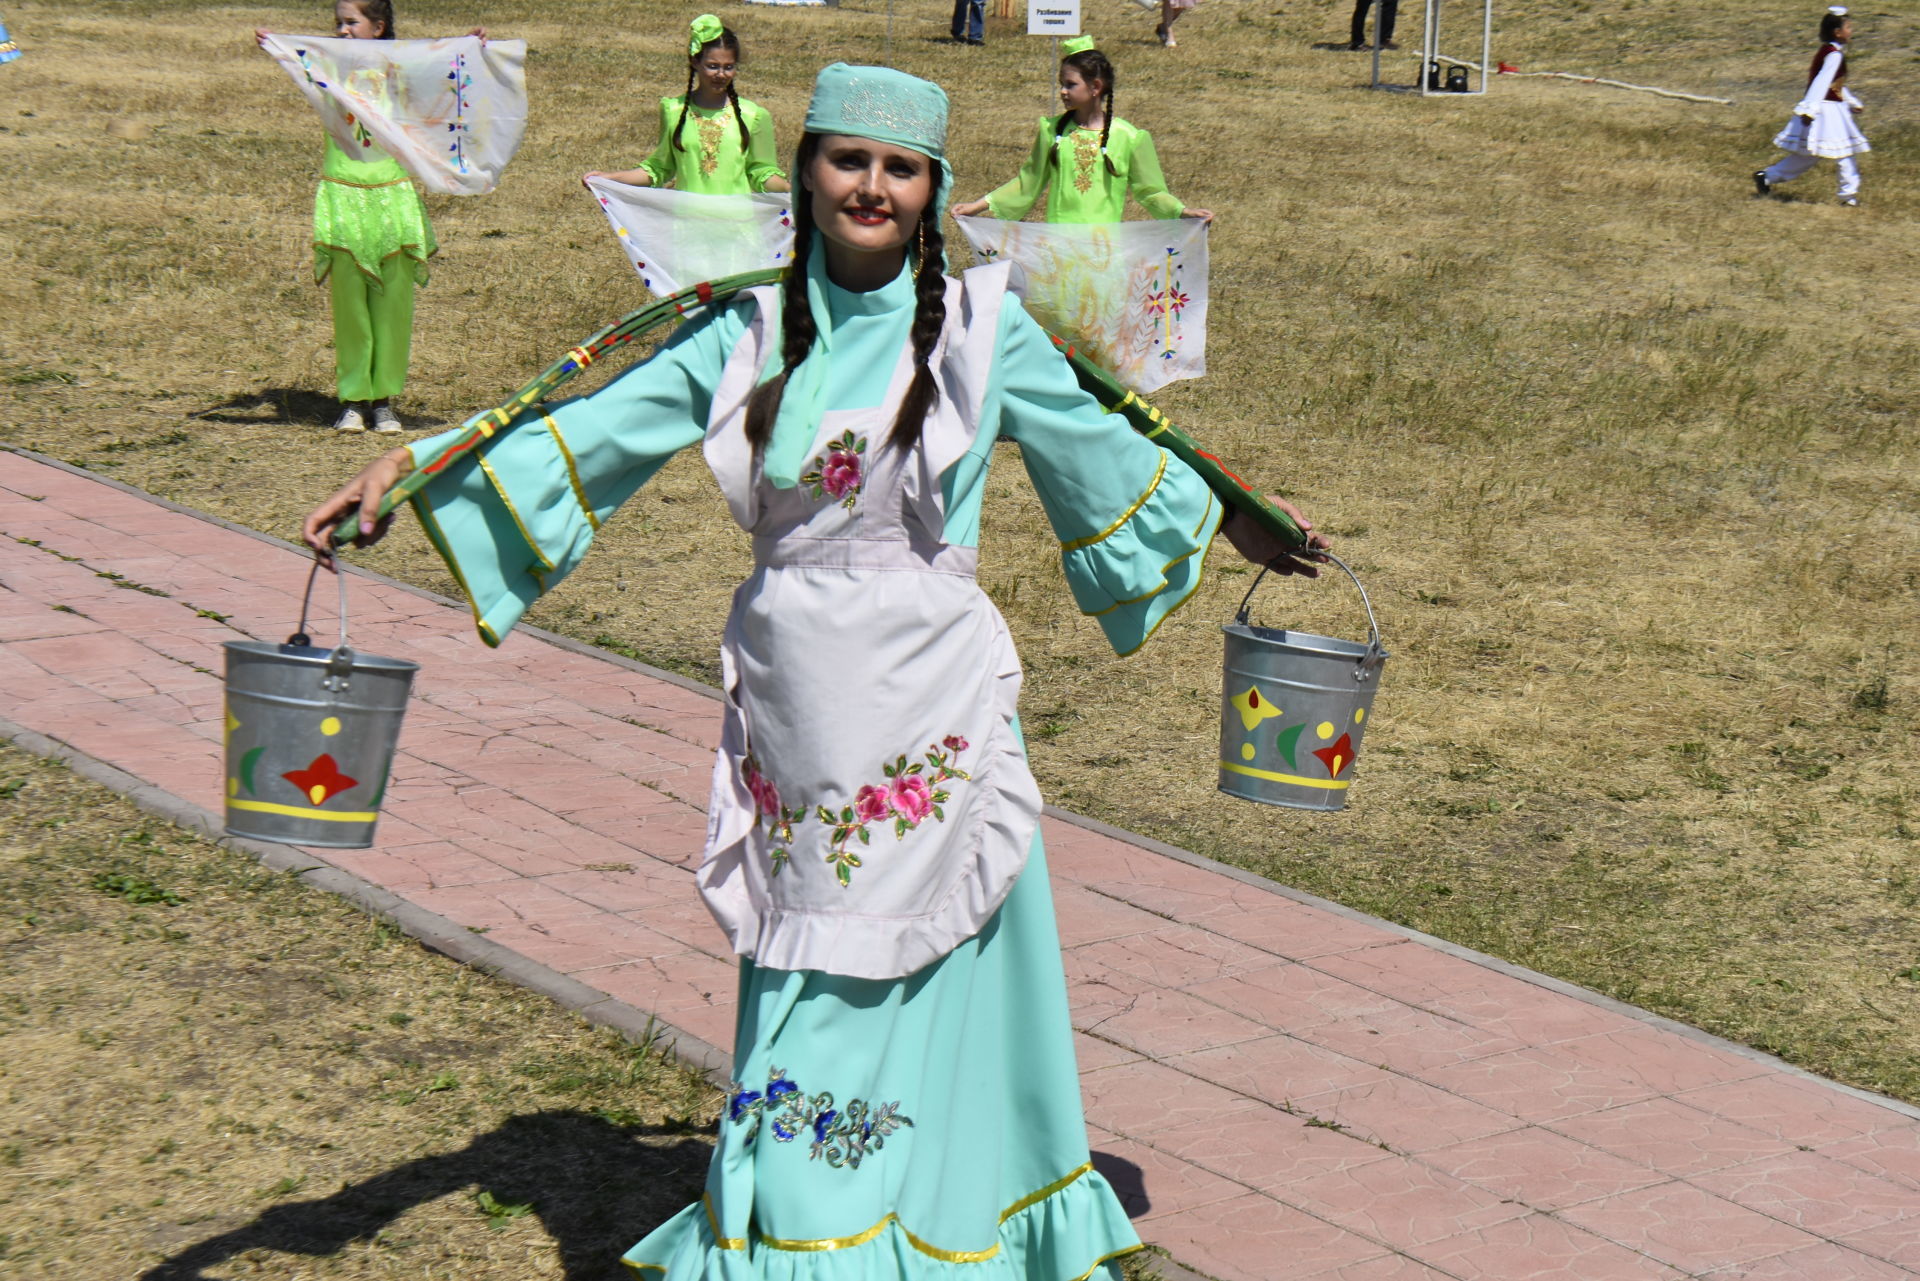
<point x="710" y="159"/>
<point x="1133" y="521"/>
<point x="368" y="208"/>
<point x="1082" y="189"/>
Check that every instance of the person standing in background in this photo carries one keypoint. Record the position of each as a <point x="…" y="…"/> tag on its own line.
<point x="1822" y="123"/>
<point x="1389" y="13"/>
<point x="969" y="24"/>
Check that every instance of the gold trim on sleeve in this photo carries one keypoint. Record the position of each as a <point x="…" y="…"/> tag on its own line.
<point x="661" y="1267"/>
<point x="573" y="473"/>
<point x="423" y="508"/>
<point x="526" y="534"/>
<point x="1139" y="502"/>
<point x="713" y="1223"/>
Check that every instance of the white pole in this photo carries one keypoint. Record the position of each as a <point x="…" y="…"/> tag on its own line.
<point x="1430" y="46"/>
<point x="1486" y="46"/>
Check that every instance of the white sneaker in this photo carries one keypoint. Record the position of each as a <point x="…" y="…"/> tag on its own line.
<point x="386" y="422"/>
<point x="1850" y="201"/>
<point x="351" y="420"/>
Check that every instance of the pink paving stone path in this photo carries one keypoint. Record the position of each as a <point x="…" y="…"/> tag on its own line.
<point x="1280" y="1089"/>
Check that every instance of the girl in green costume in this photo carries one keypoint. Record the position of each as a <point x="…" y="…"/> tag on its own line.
<point x="1100" y="157"/>
<point x="732" y="138"/>
<point x="371" y="242"/>
<point x="906" y="1103"/>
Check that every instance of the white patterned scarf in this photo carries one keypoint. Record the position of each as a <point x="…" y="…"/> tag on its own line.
<point x="450" y="111"/>
<point x="1131" y="295"/>
<point x="680" y="238"/>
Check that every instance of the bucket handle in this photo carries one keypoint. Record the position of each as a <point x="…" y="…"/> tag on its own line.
<point x="1368" y="663"/>
<point x="340" y="662"/>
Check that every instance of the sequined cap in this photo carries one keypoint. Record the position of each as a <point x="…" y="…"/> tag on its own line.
<point x="882" y="104"/>
<point x="1078" y="44"/>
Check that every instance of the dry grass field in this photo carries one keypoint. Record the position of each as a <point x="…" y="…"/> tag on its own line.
<point x="1625" y="454"/>
<point x="213" y="1070"/>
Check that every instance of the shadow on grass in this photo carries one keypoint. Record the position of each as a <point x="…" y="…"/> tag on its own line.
<point x="596" y="1187"/>
<point x="274" y="405"/>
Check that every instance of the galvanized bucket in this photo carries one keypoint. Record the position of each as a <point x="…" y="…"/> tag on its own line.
<point x="310" y="736"/>
<point x="1293" y="709"/>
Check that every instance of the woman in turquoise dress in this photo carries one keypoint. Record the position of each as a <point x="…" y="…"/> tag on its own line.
<point x="906" y="1102"/>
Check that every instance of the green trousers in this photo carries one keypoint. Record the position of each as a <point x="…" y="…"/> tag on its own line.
<point x="372" y="326"/>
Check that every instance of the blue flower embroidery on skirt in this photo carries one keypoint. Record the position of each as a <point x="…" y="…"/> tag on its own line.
<point x="841" y="1136"/>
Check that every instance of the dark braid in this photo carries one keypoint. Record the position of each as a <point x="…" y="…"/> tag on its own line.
<point x="1092" y="65"/>
<point x="929" y="318"/>
<point x="797" y="332"/>
<point x="1830" y="24"/>
<point x="686" y="104"/>
<point x="1106" y="127"/>
<point x="731" y="43"/>
<point x="740" y="118"/>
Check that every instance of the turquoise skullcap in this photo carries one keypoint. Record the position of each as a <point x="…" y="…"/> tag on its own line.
<point x="703" y="31"/>
<point x="882" y="104"/>
<point x="1078" y="44"/>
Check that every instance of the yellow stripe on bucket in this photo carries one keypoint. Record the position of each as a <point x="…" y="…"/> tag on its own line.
<point x="268" y="807"/>
<point x="1330" y="784"/>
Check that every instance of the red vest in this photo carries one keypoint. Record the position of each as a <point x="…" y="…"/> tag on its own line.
<point x="1839" y="77"/>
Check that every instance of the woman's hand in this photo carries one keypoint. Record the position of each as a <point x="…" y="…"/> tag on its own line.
<point x="1204" y="215"/>
<point x="481" y="32"/>
<point x="362" y="494"/>
<point x="260" y="37"/>
<point x="1263" y="548"/>
<point x="969" y="209"/>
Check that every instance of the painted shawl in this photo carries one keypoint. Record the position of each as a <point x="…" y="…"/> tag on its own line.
<point x="1132" y="295"/>
<point x="451" y="111"/>
<point x="680" y="238"/>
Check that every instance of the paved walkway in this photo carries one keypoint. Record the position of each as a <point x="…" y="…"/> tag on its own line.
<point x="1281" y="1089"/>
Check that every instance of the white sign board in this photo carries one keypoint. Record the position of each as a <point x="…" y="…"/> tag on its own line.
<point x="1053" y="17"/>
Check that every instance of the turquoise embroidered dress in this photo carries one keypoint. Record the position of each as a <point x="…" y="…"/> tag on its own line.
<point x="926" y="1124"/>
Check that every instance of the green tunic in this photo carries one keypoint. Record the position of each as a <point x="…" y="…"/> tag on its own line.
<point x="710" y="159"/>
<point x="369" y="210"/>
<point x="1083" y="189"/>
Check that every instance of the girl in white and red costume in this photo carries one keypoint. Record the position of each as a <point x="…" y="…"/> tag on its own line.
<point x="1822" y="124"/>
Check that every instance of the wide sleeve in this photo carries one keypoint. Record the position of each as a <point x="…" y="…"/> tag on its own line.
<point x="1822" y="81"/>
<point x="763" y="159"/>
<point x="1133" y="521"/>
<point x="662" y="164"/>
<point x="1147" y="183"/>
<point x="515" y="513"/>
<point x="1012" y="201"/>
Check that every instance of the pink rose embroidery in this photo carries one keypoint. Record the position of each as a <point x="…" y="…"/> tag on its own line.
<point x="766" y="797"/>
<point x="870" y="804"/>
<point x="913" y="792"/>
<point x="841" y="475"/>
<point x="838" y="472"/>
<point x="912" y="798"/>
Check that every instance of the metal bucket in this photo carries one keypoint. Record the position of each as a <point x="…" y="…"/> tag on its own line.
<point x="310" y="736"/>
<point x="1293" y="708"/>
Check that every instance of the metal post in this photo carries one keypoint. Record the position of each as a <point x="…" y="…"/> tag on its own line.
<point x="1376" y="46"/>
<point x="1430" y="45"/>
<point x="1486" y="45"/>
